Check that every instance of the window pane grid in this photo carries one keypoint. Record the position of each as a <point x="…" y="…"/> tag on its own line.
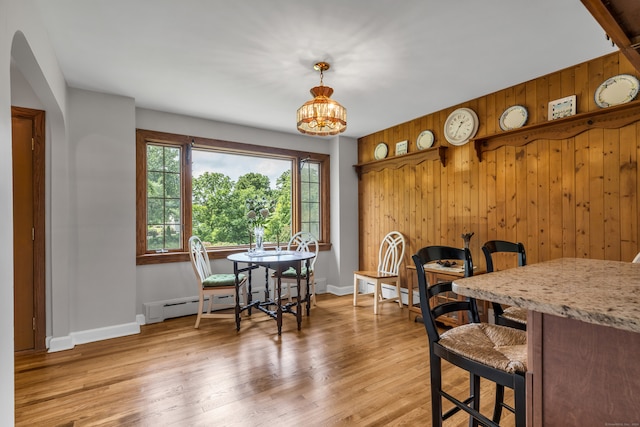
<point x="310" y="198"/>
<point x="164" y="226"/>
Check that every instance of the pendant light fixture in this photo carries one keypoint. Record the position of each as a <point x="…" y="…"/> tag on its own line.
<point x="322" y="115"/>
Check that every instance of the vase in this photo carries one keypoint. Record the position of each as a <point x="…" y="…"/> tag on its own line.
<point x="467" y="238"/>
<point x="258" y="232"/>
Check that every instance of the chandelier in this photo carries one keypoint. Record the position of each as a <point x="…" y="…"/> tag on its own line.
<point x="322" y="115"/>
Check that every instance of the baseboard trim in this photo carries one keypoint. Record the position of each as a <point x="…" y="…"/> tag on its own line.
<point x="92" y="335"/>
<point x="340" y="290"/>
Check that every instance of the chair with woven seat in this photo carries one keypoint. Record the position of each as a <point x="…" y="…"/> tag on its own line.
<point x="213" y="285"/>
<point x="514" y="317"/>
<point x="390" y="256"/>
<point x="301" y="241"/>
<point x="493" y="352"/>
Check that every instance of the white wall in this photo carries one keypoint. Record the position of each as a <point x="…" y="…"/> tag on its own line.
<point x="22" y="40"/>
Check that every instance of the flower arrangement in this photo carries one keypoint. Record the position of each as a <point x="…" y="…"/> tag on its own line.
<point x="257" y="214"/>
<point x="257" y="211"/>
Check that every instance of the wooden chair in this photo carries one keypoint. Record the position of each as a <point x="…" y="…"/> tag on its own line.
<point x="514" y="317"/>
<point x="212" y="285"/>
<point x="301" y="241"/>
<point x="493" y="352"/>
<point x="390" y="256"/>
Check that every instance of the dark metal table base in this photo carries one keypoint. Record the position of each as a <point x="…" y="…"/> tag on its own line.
<point x="273" y="308"/>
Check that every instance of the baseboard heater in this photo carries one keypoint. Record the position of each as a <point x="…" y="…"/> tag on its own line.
<point x="157" y="311"/>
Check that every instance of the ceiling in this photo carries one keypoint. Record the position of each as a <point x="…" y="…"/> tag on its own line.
<point x="250" y="62"/>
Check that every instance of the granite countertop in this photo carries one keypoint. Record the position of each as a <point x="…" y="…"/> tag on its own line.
<point x="594" y="291"/>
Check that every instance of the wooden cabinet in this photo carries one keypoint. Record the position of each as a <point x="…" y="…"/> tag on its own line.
<point x="443" y="274"/>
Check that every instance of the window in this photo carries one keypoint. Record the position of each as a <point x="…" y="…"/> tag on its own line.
<point x="195" y="186"/>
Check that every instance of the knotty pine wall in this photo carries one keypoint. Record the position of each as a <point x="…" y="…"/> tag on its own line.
<point x="560" y="198"/>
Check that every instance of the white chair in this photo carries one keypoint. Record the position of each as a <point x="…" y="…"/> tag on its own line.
<point x="212" y="285"/>
<point x="637" y="258"/>
<point x="390" y="256"/>
<point x="301" y="241"/>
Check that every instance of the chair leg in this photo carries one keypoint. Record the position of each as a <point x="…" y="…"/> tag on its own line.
<point x="497" y="407"/>
<point x="200" y="307"/>
<point x="520" y="401"/>
<point x="474" y="388"/>
<point x="355" y="290"/>
<point x="398" y="290"/>
<point x="313" y="293"/>
<point x="377" y="293"/>
<point x="436" y="385"/>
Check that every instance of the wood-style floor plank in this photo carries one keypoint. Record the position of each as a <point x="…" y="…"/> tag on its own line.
<point x="345" y="367"/>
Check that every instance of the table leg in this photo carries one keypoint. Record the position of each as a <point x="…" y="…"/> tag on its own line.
<point x="279" y="300"/>
<point x="308" y="289"/>
<point x="235" y="270"/>
<point x="299" y="300"/>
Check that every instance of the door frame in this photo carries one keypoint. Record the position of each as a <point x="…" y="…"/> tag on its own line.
<point x="39" y="266"/>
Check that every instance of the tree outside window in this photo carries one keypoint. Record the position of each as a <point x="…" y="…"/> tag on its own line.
<point x="196" y="186"/>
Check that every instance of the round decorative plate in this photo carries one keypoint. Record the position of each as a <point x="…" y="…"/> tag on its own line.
<point x="513" y="117"/>
<point x="425" y="139"/>
<point x="381" y="151"/>
<point x="616" y="90"/>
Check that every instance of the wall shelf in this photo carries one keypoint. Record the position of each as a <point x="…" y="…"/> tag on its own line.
<point x="568" y="127"/>
<point x="411" y="159"/>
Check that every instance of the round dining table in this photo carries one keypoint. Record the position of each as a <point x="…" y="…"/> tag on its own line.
<point x="278" y="262"/>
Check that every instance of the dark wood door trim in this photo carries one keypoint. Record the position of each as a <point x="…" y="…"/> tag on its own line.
<point x="38" y="119"/>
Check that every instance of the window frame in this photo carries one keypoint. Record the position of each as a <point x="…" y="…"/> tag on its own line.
<point x="187" y="143"/>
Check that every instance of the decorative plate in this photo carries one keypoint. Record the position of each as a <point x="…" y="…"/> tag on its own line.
<point x="425" y="140"/>
<point x="514" y="117"/>
<point x="616" y="90"/>
<point x="381" y="151"/>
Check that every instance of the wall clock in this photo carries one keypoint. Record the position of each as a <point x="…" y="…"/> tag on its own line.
<point x="461" y="126"/>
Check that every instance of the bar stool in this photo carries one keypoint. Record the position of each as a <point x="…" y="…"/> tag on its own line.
<point x="494" y="352"/>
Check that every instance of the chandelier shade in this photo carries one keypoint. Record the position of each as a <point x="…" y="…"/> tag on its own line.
<point x="322" y="116"/>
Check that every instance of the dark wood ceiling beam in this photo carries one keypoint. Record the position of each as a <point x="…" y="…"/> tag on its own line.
<point x="614" y="29"/>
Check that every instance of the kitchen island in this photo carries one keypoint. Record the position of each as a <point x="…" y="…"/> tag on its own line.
<point x="583" y="333"/>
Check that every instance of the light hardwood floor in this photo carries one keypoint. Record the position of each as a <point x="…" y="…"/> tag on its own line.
<point x="345" y="367"/>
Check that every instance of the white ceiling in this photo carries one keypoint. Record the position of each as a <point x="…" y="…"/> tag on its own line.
<point x="250" y="62"/>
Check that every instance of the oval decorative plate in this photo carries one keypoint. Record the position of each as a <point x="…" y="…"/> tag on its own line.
<point x="514" y="117"/>
<point x="616" y="90"/>
<point x="381" y="151"/>
<point x="425" y="140"/>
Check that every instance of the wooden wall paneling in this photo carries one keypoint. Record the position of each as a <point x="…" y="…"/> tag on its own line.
<point x="543" y="197"/>
<point x="436" y="170"/>
<point x="490" y="194"/>
<point x="430" y="208"/>
<point x="501" y="211"/>
<point x="510" y="195"/>
<point x="522" y="205"/>
<point x="555" y="224"/>
<point x="465" y="193"/>
<point x="596" y="194"/>
<point x="611" y="187"/>
<point x="582" y="195"/>
<point x="573" y="197"/>
<point x="412" y="188"/>
<point x="628" y="168"/>
<point x="474" y="191"/>
<point x="595" y="227"/>
<point x="454" y="199"/>
<point x="532" y="202"/>
<point x="568" y="187"/>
